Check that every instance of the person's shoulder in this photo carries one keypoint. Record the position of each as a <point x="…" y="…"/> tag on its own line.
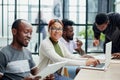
<point x="5" y="48"/>
<point x="61" y="43"/>
<point x="46" y="41"/>
<point x="112" y="14"/>
<point x="63" y="40"/>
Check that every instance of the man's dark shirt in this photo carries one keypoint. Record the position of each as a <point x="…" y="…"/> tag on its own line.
<point x="112" y="32"/>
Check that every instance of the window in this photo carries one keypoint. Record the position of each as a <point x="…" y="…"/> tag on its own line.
<point x="82" y="12"/>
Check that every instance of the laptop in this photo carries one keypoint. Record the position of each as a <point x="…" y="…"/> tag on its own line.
<point x="102" y="66"/>
<point x="50" y="69"/>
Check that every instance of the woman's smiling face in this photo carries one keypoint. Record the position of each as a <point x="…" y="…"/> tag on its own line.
<point x="55" y="31"/>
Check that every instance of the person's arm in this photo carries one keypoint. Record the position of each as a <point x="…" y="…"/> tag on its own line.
<point x="96" y="42"/>
<point x="89" y="59"/>
<point x="3" y="63"/>
<point x="47" y="50"/>
<point x="50" y="53"/>
<point x="34" y="72"/>
<point x="78" y="47"/>
<point x="97" y="33"/>
<point x="116" y="55"/>
<point x="33" y="69"/>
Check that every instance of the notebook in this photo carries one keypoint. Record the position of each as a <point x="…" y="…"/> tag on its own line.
<point x="102" y="66"/>
<point x="50" y="69"/>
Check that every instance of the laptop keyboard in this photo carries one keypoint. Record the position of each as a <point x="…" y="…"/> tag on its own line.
<point x="100" y="65"/>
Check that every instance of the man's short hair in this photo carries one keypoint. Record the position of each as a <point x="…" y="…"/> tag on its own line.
<point x="16" y="23"/>
<point x="101" y="18"/>
<point x="67" y="23"/>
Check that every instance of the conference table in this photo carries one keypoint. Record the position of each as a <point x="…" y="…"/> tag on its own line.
<point x="112" y="73"/>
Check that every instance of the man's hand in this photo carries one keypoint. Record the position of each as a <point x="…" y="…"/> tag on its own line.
<point x="50" y="77"/>
<point x="79" y="43"/>
<point x="96" y="42"/>
<point x="34" y="71"/>
<point x="79" y="48"/>
<point x="92" y="61"/>
<point x="116" y="55"/>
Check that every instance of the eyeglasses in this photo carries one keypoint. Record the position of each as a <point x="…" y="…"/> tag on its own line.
<point x="56" y="29"/>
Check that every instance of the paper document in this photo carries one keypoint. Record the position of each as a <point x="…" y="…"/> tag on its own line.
<point x="51" y="68"/>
